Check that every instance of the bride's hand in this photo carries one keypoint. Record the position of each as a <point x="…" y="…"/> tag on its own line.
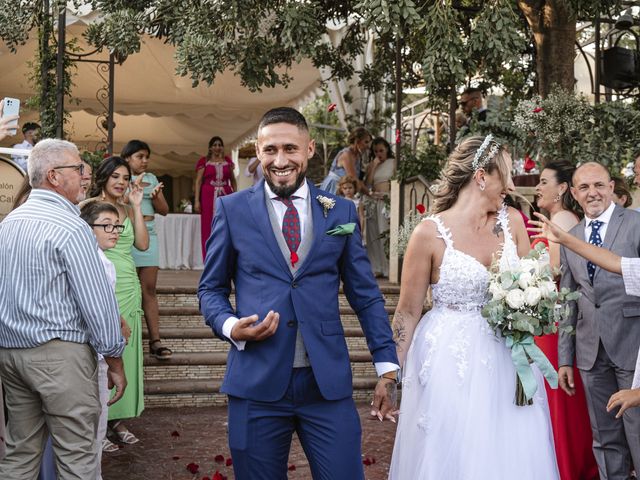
<point x="385" y="400"/>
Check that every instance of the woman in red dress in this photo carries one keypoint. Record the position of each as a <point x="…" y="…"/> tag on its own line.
<point x="569" y="415"/>
<point x="214" y="178"/>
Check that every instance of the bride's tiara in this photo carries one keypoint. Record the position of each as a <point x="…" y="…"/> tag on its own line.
<point x="489" y="149"/>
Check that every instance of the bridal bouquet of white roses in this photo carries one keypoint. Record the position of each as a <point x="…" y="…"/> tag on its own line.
<point x="525" y="303"/>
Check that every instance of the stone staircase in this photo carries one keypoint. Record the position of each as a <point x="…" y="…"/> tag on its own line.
<point x="193" y="375"/>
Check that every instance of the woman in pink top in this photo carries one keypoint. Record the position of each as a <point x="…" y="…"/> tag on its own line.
<point x="214" y="178"/>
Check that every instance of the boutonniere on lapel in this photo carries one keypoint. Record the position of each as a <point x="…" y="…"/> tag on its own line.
<point x="344" y="229"/>
<point x="327" y="204"/>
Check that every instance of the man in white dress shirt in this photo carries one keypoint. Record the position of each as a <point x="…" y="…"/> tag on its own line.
<point x="30" y="131"/>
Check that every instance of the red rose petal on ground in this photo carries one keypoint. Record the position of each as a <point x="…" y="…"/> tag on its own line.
<point x="229" y="462"/>
<point x="366" y="461"/>
<point x="373" y="459"/>
<point x="176" y="457"/>
<point x="175" y="433"/>
<point x="420" y="208"/>
<point x="193" y="467"/>
<point x="205" y="478"/>
<point x="331" y="107"/>
<point x="218" y="476"/>
<point x="219" y="459"/>
<point x="292" y="468"/>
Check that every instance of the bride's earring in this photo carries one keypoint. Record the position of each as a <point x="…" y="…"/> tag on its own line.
<point x="481" y="185"/>
<point x="103" y="195"/>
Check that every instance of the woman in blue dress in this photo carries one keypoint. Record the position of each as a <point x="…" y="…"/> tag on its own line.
<point x="347" y="161"/>
<point x="137" y="154"/>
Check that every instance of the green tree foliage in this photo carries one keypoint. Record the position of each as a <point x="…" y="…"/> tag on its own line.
<point x="444" y="43"/>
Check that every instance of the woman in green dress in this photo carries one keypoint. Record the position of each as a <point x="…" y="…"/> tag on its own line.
<point x="112" y="183"/>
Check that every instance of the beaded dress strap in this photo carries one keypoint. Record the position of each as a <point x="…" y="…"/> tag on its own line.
<point x="503" y="220"/>
<point x="443" y="232"/>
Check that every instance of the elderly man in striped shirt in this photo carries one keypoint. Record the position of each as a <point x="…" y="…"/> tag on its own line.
<point x="56" y="311"/>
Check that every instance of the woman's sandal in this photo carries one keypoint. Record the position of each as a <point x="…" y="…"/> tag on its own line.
<point x="161" y="353"/>
<point x="127" y="437"/>
<point x="108" y="446"/>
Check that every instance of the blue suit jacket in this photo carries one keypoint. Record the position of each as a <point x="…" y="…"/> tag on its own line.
<point x="243" y="249"/>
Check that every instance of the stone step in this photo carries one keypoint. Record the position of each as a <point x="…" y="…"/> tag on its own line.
<point x="168" y="372"/>
<point x="191" y="299"/>
<point x="206" y="332"/>
<point x="186" y="290"/>
<point x="182" y="400"/>
<point x="187" y="322"/>
<point x="153" y="387"/>
<point x="213" y="344"/>
<point x="220" y="358"/>
<point x="191" y="310"/>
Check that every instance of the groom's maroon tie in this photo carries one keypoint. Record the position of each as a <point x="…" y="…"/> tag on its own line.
<point x="291" y="228"/>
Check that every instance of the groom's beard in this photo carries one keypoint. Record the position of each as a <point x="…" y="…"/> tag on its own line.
<point x="285" y="191"/>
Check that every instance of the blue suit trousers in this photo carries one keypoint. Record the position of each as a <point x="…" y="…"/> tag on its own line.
<point x="260" y="433"/>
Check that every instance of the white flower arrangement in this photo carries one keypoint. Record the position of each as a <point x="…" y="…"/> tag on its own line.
<point x="185" y="206"/>
<point x="525" y="303"/>
<point x="327" y="204"/>
<point x="409" y="223"/>
<point x="551" y="119"/>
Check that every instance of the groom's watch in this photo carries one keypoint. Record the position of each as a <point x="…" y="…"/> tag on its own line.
<point x="392" y="375"/>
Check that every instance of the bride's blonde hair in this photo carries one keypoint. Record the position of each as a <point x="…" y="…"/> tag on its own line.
<point x="460" y="168"/>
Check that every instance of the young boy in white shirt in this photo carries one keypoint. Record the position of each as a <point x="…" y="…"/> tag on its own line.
<point x="103" y="219"/>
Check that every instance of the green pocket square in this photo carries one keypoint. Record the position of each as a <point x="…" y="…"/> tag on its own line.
<point x="346" y="229"/>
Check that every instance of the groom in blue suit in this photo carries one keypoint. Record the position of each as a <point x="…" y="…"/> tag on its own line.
<point x="288" y="367"/>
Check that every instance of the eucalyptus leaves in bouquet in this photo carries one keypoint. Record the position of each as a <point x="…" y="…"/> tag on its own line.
<point x="525" y="303"/>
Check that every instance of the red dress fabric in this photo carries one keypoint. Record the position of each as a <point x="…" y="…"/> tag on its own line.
<point x="569" y="418"/>
<point x="216" y="182"/>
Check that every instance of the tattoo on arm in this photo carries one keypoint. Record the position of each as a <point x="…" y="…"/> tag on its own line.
<point x="399" y="330"/>
<point x="392" y="393"/>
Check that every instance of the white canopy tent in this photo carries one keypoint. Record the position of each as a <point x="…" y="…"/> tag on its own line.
<point x="153" y="104"/>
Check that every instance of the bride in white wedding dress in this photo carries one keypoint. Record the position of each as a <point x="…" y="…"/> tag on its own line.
<point x="458" y="419"/>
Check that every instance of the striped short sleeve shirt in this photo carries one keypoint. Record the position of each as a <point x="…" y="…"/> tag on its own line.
<point x="53" y="284"/>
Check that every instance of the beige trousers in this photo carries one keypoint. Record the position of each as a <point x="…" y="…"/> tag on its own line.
<point x="52" y="389"/>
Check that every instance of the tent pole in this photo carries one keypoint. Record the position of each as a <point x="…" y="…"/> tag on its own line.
<point x="110" y="124"/>
<point x="45" y="34"/>
<point x="398" y="139"/>
<point x="453" y="106"/>
<point x="62" y="20"/>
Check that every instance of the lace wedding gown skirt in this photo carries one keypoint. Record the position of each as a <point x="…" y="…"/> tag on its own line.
<point x="458" y="419"/>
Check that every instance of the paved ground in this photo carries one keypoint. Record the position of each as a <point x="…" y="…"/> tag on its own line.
<point x="171" y="439"/>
